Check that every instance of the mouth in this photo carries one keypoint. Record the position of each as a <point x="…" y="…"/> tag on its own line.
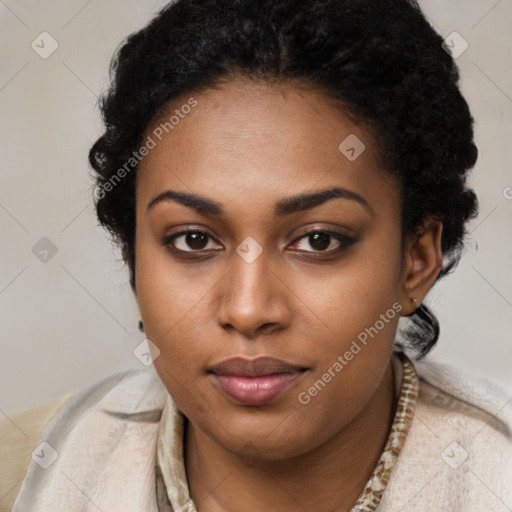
<point x="256" y="381"/>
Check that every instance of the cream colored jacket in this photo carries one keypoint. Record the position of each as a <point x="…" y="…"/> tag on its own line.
<point x="95" y="449"/>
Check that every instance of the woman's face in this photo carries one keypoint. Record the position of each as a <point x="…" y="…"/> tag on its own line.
<point x="254" y="282"/>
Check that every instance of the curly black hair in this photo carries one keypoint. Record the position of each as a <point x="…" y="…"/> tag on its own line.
<point x="380" y="59"/>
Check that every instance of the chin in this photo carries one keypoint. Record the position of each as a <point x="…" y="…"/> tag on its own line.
<point x="257" y="446"/>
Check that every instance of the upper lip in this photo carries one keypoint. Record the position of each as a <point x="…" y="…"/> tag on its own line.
<point x="254" y="367"/>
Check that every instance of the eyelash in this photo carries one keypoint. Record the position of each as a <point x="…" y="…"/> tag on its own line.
<point x="345" y="241"/>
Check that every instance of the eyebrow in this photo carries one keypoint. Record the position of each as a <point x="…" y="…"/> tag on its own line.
<point x="286" y="206"/>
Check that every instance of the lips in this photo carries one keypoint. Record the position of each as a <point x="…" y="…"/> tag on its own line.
<point x="254" y="367"/>
<point x="256" y="381"/>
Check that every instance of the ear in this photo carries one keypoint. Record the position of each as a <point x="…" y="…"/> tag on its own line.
<point x="423" y="261"/>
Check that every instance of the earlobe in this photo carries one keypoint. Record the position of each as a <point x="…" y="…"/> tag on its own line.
<point x="423" y="262"/>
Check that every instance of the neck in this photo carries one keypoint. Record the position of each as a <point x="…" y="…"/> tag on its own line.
<point x="331" y="477"/>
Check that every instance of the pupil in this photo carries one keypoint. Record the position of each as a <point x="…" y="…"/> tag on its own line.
<point x="319" y="241"/>
<point x="196" y="240"/>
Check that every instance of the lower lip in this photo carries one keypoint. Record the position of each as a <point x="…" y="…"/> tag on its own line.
<point x="255" y="390"/>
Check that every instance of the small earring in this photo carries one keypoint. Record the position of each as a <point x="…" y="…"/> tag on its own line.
<point x="413" y="301"/>
<point x="141" y="326"/>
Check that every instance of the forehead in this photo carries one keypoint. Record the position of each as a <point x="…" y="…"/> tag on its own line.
<point x="249" y="138"/>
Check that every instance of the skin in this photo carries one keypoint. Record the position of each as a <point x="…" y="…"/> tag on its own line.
<point x="248" y="145"/>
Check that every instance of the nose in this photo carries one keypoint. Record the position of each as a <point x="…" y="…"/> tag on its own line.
<point x="254" y="300"/>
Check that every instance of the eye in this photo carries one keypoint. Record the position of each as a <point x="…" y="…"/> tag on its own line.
<point x="188" y="241"/>
<point x="321" y="240"/>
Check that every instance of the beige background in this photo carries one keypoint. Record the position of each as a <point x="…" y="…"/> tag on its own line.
<point x="72" y="320"/>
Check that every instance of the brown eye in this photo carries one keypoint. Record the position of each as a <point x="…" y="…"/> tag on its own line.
<point x="196" y="240"/>
<point x="188" y="241"/>
<point x="321" y="240"/>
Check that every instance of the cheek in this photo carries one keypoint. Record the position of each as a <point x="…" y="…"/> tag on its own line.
<point x="360" y="310"/>
<point x="172" y="301"/>
<point x="352" y="296"/>
<point x="167" y="291"/>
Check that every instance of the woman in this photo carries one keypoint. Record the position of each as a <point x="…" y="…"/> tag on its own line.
<point x="286" y="180"/>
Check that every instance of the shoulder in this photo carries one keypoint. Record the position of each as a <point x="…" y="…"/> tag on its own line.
<point x="458" y="452"/>
<point x="19" y="433"/>
<point x="121" y="392"/>
<point x="472" y="398"/>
